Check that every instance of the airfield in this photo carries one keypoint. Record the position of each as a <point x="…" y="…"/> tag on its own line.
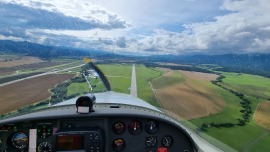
<point x="189" y="95"/>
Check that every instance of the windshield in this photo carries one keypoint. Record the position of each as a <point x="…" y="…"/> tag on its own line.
<point x="205" y="63"/>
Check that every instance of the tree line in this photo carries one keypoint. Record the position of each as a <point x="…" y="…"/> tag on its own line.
<point x="245" y="104"/>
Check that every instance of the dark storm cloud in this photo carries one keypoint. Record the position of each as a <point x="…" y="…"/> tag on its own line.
<point x="13" y="15"/>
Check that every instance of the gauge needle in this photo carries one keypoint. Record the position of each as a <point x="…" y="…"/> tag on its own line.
<point x="135" y="127"/>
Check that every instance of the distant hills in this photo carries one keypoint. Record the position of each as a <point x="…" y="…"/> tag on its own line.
<point x="246" y="63"/>
<point x="42" y="51"/>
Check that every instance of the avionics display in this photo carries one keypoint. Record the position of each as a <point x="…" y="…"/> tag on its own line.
<point x="70" y="142"/>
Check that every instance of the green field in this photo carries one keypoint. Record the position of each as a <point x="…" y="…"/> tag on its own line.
<point x="144" y="76"/>
<point x="166" y="81"/>
<point x="262" y="144"/>
<point x="123" y="70"/>
<point x="253" y="85"/>
<point x="256" y="89"/>
<point x="80" y="88"/>
<point x="119" y="76"/>
<point x="77" y="88"/>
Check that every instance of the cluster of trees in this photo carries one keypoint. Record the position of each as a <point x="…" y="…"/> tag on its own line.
<point x="245" y="104"/>
<point x="7" y="60"/>
<point x="59" y="92"/>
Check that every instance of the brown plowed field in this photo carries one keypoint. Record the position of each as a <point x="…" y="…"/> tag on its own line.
<point x="28" y="91"/>
<point x="262" y="114"/>
<point x="193" y="98"/>
<point x="199" y="76"/>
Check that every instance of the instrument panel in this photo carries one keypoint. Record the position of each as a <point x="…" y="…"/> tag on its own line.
<point x="99" y="134"/>
<point x="22" y="136"/>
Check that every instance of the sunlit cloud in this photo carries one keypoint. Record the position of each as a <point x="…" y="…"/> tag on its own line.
<point x="178" y="27"/>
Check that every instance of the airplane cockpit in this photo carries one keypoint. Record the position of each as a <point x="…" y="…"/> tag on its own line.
<point x="95" y="128"/>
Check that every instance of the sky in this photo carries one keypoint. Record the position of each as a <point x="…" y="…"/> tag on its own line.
<point x="139" y="26"/>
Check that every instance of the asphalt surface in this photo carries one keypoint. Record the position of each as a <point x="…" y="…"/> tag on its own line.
<point x="38" y="75"/>
<point x="133" y="87"/>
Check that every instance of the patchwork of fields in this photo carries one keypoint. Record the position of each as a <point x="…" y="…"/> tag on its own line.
<point x="189" y="95"/>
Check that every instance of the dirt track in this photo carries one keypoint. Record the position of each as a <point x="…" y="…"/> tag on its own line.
<point x="193" y="98"/>
<point x="28" y="91"/>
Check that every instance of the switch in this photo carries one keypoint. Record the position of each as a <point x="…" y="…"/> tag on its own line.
<point x="162" y="149"/>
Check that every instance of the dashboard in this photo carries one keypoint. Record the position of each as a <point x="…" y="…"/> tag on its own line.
<point x="120" y="128"/>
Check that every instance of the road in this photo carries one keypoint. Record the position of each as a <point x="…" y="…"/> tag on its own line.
<point x="133" y="87"/>
<point x="38" y="75"/>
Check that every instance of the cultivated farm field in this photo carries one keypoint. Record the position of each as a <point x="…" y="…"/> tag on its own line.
<point x="262" y="114"/>
<point x="22" y="61"/>
<point x="29" y="91"/>
<point x="192" y="96"/>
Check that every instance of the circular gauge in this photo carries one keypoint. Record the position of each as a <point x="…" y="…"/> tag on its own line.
<point x="167" y="141"/>
<point x="135" y="127"/>
<point x="119" y="127"/>
<point x="44" y="131"/>
<point x="118" y="145"/>
<point x="151" y="127"/>
<point x="151" y="142"/>
<point x="19" y="140"/>
<point x="44" y="147"/>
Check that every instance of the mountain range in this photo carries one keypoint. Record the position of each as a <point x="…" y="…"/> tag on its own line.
<point x="246" y="63"/>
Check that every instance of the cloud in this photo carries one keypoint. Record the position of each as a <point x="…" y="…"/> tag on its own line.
<point x="245" y="29"/>
<point x="238" y="27"/>
<point x="2" y="37"/>
<point x="24" y="18"/>
<point x="76" y="14"/>
<point x="27" y="18"/>
<point x="149" y="14"/>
